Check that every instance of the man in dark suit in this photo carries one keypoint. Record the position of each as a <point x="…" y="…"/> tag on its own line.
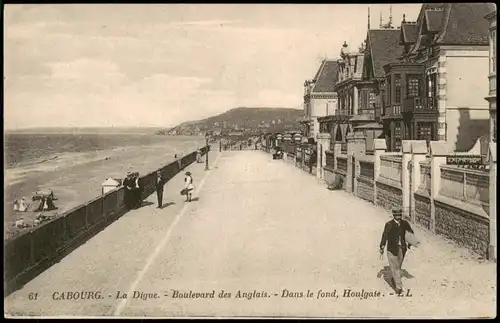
<point x="129" y="193"/>
<point x="160" y="182"/>
<point x="394" y="236"/>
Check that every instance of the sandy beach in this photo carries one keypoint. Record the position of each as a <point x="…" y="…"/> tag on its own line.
<point x="76" y="177"/>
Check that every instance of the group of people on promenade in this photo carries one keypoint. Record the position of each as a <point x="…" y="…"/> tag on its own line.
<point x="133" y="190"/>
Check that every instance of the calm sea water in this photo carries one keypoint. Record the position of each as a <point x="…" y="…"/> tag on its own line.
<point x="23" y="149"/>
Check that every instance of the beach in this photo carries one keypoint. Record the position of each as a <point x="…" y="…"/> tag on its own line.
<point x="76" y="177"/>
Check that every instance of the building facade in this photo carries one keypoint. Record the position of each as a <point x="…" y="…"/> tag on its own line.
<point x="320" y="98"/>
<point x="349" y="73"/>
<point x="492" y="93"/>
<point x="432" y="93"/>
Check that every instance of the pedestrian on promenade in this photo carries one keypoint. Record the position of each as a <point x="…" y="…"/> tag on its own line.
<point x="394" y="236"/>
<point x="188" y="186"/>
<point x="128" y="183"/>
<point x="198" y="156"/>
<point x="160" y="182"/>
<point x="137" y="191"/>
<point x="312" y="160"/>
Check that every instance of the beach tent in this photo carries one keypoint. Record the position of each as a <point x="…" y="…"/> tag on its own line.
<point x="109" y="184"/>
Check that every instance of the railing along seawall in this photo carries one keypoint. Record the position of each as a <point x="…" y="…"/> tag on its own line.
<point x="29" y="253"/>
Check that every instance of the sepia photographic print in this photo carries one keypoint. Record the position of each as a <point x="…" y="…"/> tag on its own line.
<point x="250" y="161"/>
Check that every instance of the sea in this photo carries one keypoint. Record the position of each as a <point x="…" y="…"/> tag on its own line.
<point x="22" y="149"/>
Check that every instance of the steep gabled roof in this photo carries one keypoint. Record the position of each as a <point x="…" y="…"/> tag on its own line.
<point x="326" y="77"/>
<point x="420" y="22"/>
<point x="454" y="23"/>
<point x="434" y="20"/>
<point x="409" y="32"/>
<point x="384" y="48"/>
<point x="464" y="24"/>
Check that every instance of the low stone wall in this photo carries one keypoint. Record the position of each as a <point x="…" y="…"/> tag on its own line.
<point x="423" y="210"/>
<point x="366" y="186"/>
<point x="466" y="228"/>
<point x="388" y="195"/>
<point x="365" y="189"/>
<point x="329" y="174"/>
<point x="33" y="251"/>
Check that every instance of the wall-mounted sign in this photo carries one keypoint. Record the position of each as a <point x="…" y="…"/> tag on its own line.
<point x="463" y="160"/>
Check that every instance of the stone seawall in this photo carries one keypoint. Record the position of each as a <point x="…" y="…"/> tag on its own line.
<point x="365" y="188"/>
<point x="423" y="211"/>
<point x="465" y="228"/>
<point x="329" y="175"/>
<point x="388" y="196"/>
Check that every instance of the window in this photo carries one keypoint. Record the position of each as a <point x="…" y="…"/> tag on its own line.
<point x="493" y="51"/>
<point x="413" y="87"/>
<point x="372" y="99"/>
<point x="388" y="91"/>
<point x="397" y="137"/>
<point x="363" y="100"/>
<point x="494" y="118"/>
<point x="424" y="130"/>
<point x="431" y="89"/>
<point x="397" y="88"/>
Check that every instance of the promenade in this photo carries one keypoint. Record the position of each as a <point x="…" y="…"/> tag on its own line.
<point x="259" y="226"/>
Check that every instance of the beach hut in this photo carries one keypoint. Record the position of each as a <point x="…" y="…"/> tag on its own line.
<point x="109" y="184"/>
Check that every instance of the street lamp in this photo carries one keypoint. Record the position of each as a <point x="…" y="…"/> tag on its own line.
<point x="207" y="135"/>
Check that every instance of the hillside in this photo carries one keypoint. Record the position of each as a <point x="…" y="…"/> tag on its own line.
<point x="247" y="119"/>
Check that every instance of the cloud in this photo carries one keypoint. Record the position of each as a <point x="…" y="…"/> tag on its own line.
<point x="163" y="64"/>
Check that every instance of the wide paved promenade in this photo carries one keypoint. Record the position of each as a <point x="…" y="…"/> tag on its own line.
<point x="260" y="227"/>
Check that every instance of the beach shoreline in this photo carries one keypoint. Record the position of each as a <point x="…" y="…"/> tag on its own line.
<point x="76" y="177"/>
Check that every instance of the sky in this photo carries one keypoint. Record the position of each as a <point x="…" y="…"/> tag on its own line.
<point x="125" y="65"/>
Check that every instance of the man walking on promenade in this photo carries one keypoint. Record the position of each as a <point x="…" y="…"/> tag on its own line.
<point x="394" y="236"/>
<point x="160" y="182"/>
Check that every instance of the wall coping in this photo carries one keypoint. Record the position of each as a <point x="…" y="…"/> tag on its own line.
<point x="423" y="194"/>
<point x="465" y="170"/>
<point x="379" y="144"/>
<point x="476" y="211"/>
<point x="366" y="158"/>
<point x="419" y="147"/>
<point x="407" y="145"/>
<point x="323" y="136"/>
<point x="439" y="149"/>
<point x="329" y="168"/>
<point x="341" y="172"/>
<point x="425" y="163"/>
<point x="388" y="182"/>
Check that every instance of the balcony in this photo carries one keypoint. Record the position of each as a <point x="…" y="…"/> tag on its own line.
<point x="341" y="112"/>
<point x="392" y="110"/>
<point x="419" y="105"/>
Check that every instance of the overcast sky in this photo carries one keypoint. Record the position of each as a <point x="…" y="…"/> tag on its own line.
<point x="159" y="65"/>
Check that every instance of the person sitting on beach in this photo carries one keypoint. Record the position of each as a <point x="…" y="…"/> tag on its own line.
<point x="46" y="199"/>
<point x="188" y="186"/>
<point x="21" y="205"/>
